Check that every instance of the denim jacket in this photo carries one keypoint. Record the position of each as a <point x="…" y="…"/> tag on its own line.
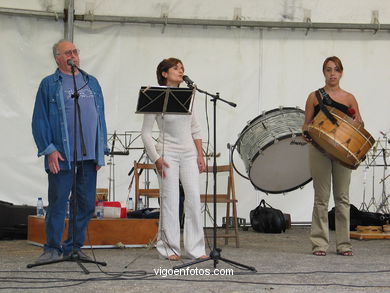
<point x="49" y="125"/>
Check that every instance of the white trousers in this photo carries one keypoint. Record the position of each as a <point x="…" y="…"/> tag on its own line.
<point x="183" y="166"/>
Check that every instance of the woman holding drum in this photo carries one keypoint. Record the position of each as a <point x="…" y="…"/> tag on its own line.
<point x="325" y="169"/>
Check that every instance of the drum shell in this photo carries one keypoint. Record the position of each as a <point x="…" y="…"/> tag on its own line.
<point x="347" y="141"/>
<point x="274" y="152"/>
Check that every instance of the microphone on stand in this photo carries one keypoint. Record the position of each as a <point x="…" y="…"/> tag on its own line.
<point x="71" y="63"/>
<point x="188" y="81"/>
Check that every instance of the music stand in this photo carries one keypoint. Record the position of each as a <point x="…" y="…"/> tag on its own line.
<point x="165" y="100"/>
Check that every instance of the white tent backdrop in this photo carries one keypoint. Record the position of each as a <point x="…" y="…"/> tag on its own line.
<point x="259" y="69"/>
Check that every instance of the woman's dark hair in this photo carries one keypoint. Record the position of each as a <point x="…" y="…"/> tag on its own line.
<point x="164" y="67"/>
<point x="336" y="60"/>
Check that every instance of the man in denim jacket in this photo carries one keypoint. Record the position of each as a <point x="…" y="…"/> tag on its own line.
<point x="54" y="134"/>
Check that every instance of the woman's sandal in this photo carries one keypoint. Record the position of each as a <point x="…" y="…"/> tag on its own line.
<point x="319" y="253"/>
<point x="346" y="253"/>
<point x="202" y="257"/>
<point x="173" y="257"/>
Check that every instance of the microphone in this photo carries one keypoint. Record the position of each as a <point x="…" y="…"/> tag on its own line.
<point x="188" y="81"/>
<point x="71" y="63"/>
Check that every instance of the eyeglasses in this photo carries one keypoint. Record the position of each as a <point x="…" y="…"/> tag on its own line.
<point x="69" y="53"/>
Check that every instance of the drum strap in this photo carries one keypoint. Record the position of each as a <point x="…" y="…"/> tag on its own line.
<point x="323" y="107"/>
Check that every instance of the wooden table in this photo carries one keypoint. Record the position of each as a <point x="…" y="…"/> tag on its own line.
<point x="104" y="233"/>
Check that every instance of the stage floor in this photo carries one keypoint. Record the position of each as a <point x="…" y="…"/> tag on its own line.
<point x="284" y="263"/>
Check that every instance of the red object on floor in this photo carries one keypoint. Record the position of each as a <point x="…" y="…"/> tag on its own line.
<point x="113" y="209"/>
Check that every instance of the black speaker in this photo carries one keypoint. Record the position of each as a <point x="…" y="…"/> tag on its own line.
<point x="13" y="220"/>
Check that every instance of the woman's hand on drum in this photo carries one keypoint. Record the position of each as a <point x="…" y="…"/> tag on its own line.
<point x="201" y="164"/>
<point x="359" y="119"/>
<point x="161" y="164"/>
<point x="306" y="136"/>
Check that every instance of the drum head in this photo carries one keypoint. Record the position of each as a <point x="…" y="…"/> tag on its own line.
<point x="282" y="166"/>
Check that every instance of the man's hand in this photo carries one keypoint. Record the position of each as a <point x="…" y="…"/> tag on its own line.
<point x="54" y="166"/>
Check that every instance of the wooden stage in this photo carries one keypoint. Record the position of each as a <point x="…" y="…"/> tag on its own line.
<point x="104" y="233"/>
<point x="371" y="232"/>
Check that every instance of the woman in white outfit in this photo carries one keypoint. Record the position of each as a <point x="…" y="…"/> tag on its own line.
<point x="180" y="138"/>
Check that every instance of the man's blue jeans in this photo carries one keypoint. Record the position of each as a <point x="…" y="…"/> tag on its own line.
<point x="60" y="186"/>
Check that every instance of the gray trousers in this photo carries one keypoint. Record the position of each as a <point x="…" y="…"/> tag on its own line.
<point x="324" y="172"/>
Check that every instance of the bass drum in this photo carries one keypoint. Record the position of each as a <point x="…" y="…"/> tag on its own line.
<point x="275" y="155"/>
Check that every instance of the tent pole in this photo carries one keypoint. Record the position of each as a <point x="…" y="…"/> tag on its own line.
<point x="69" y="20"/>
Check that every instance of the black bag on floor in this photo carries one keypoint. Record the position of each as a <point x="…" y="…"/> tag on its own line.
<point x="359" y="218"/>
<point x="267" y="219"/>
<point x="148" y="213"/>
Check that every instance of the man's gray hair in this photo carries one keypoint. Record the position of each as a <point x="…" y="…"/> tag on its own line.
<point x="55" y="46"/>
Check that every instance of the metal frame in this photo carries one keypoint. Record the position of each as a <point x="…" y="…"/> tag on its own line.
<point x="69" y="17"/>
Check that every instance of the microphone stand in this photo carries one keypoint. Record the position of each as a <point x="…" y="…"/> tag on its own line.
<point x="74" y="256"/>
<point x="215" y="253"/>
<point x="112" y="167"/>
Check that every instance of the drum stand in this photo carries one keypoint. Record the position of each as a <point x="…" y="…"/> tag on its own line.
<point x="111" y="162"/>
<point x="364" y="207"/>
<point x="372" y="201"/>
<point x="370" y="162"/>
<point x="383" y="206"/>
<point x="215" y="253"/>
<point x="111" y="177"/>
